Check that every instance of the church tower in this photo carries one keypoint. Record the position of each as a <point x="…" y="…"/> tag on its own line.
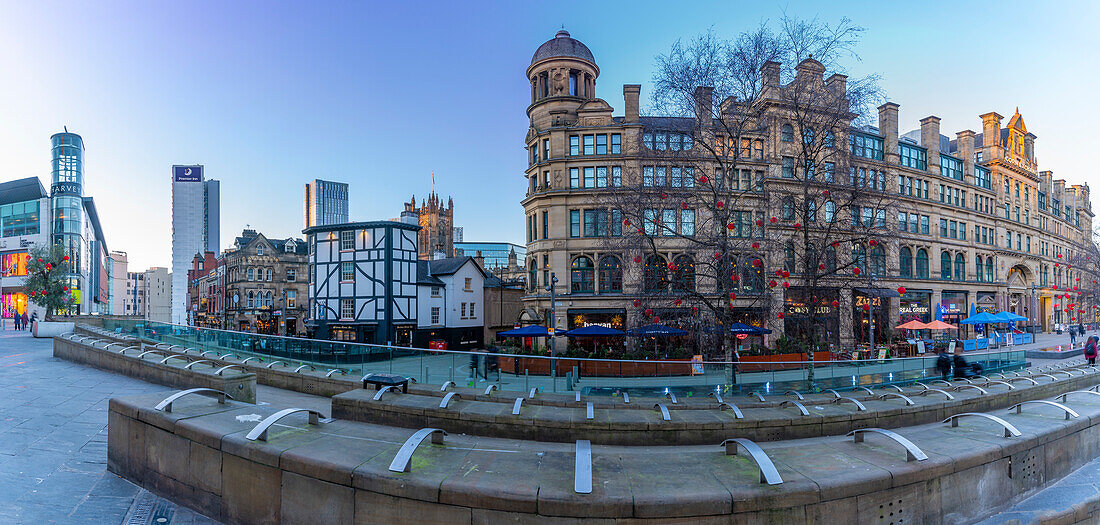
<point x="436" y="226"/>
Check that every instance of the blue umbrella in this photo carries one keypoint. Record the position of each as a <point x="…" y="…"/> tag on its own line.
<point x="655" y="329"/>
<point x="742" y="328"/>
<point x="527" y="331"/>
<point x="981" y="318"/>
<point x="594" y="330"/>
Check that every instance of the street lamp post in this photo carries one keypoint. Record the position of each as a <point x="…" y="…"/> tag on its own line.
<point x="871" y="311"/>
<point x="553" y="362"/>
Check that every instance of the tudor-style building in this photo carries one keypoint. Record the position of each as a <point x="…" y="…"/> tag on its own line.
<point x="363" y="281"/>
<point x="265" y="285"/>
<point x="977" y="222"/>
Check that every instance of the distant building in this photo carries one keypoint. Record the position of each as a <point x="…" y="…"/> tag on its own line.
<point x="24" y="224"/>
<point x="266" y="284"/>
<point x="363" y="280"/>
<point x="436" y="226"/>
<point x="158" y="294"/>
<point x="119" y="276"/>
<point x="326" y="202"/>
<point x="451" y="303"/>
<point x="134" y="303"/>
<point x="503" y="305"/>
<point x="196" y="219"/>
<point x="496" y="255"/>
<point x="202" y="295"/>
<point x="457" y="234"/>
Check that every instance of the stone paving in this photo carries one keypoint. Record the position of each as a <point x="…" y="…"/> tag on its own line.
<point x="53" y="443"/>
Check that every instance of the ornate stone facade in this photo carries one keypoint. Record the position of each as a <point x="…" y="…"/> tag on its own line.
<point x="436" y="225"/>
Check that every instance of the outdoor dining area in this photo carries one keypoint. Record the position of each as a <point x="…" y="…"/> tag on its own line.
<point x="939" y="334"/>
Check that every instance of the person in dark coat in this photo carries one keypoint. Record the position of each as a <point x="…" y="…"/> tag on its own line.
<point x="943" y="363"/>
<point x="1090" y="349"/>
<point x="15" y="319"/>
<point x="23" y="320"/>
<point x="963" y="369"/>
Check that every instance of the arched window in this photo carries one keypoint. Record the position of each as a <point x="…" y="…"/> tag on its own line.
<point x="989" y="269"/>
<point x="611" y="275"/>
<point x="683" y="276"/>
<point x="250" y="276"/>
<point x="810" y="260"/>
<point x="251" y="300"/>
<point x="828" y="139"/>
<point x="979" y="270"/>
<point x="922" y="264"/>
<point x="830" y="259"/>
<point x="788" y="256"/>
<point x="878" y="261"/>
<point x="788" y="133"/>
<point x="905" y="260"/>
<point x="960" y="267"/>
<point x="582" y="275"/>
<point x="533" y="277"/>
<point x="945" y="266"/>
<point x="655" y="276"/>
<point x="752" y="276"/>
<point x="830" y="211"/>
<point x="859" y="256"/>
<point x="788" y="208"/>
<point x="808" y="136"/>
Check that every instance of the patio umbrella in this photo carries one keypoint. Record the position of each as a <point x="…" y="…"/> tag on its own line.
<point x="526" y="331"/>
<point x="742" y="328"/>
<point x="940" y="325"/>
<point x="650" y="330"/>
<point x="912" y="325"/>
<point x="594" y="330"/>
<point x="981" y="318"/>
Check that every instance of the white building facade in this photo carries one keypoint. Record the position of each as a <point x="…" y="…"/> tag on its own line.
<point x="196" y="219"/>
<point x="451" y="304"/>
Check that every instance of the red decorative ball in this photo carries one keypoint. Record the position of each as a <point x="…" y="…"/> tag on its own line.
<point x="678" y="302"/>
<point x="821" y="266"/>
<point x="901" y="290"/>
<point x="733" y="277"/>
<point x="1053" y="287"/>
<point x="649" y="311"/>
<point x="772" y="283"/>
<point x="836" y="304"/>
<point x="856" y="270"/>
<point x="683" y="205"/>
<point x="656" y="319"/>
<point x="719" y="204"/>
<point x="32" y="294"/>
<point x="836" y="244"/>
<point x="759" y="222"/>
<point x="671" y="266"/>
<point x="733" y="296"/>
<point x="786" y="284"/>
<point x="780" y="315"/>
<point x="825" y="193"/>
<point x="731" y="226"/>
<point x="797" y="225"/>
<point x="65" y="288"/>
<point x="717" y="255"/>
<point x="1059" y="256"/>
<point x="779" y="273"/>
<point x="703" y="179"/>
<point x="39" y="260"/>
<point x="1055" y="265"/>
<point x="637" y="303"/>
<point x="786" y="274"/>
<point x="774" y="220"/>
<point x="872" y="242"/>
<point x="756" y="246"/>
<point x="65" y="258"/>
<point x="637" y="258"/>
<point x="626" y="222"/>
<point x="867" y="307"/>
<point x="757" y="262"/>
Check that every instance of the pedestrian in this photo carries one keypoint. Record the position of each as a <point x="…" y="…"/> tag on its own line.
<point x="15" y="319"/>
<point x="1072" y="336"/>
<point x="23" y="320"/>
<point x="1090" y="350"/>
<point x="943" y="363"/>
<point x="962" y="368"/>
<point x="473" y="365"/>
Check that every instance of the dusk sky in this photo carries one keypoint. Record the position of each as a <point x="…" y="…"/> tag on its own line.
<point x="269" y="95"/>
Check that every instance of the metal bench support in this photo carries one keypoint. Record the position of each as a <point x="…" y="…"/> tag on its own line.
<point x="1068" y="411"/>
<point x="768" y="473"/>
<point x="912" y="452"/>
<point x="259" y="432"/>
<point x="403" y="460"/>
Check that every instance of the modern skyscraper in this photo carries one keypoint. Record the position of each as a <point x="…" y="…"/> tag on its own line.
<point x="326" y="203"/>
<point x="196" y="219"/>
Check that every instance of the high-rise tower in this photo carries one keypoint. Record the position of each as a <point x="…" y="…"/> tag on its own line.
<point x="67" y="203"/>
<point x="196" y="219"/>
<point x="326" y="202"/>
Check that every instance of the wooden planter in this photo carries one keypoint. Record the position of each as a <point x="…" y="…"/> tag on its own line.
<point x="768" y="363"/>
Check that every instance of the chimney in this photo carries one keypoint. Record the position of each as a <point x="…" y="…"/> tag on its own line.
<point x="704" y="106"/>
<point x="965" y="139"/>
<point x="930" y="140"/>
<point x="991" y="135"/>
<point x="630" y="94"/>
<point x="888" y="128"/>
<point x="769" y="74"/>
<point x="837" y="84"/>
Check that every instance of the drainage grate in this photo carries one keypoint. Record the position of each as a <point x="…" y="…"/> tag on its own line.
<point x="141" y="511"/>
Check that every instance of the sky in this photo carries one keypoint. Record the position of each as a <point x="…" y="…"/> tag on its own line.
<point x="269" y="95"/>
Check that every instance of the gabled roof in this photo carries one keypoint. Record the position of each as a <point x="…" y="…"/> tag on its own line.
<point x="1017" y="121"/>
<point x="424" y="275"/>
<point x="451" y="265"/>
<point x="20" y="190"/>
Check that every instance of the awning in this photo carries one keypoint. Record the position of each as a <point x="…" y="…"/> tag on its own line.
<point x="878" y="292"/>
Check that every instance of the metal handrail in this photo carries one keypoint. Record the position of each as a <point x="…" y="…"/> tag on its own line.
<point x="402" y="461"/>
<point x="203" y="354"/>
<point x="852" y="400"/>
<point x="259" y="432"/>
<point x="912" y="452"/>
<point x="908" y="402"/>
<point x="937" y="391"/>
<point x="1010" y="431"/>
<point x="801" y="408"/>
<point x="796" y="394"/>
<point x="865" y="389"/>
<point x="273" y="363"/>
<point x="143" y="354"/>
<point x="1022" y="378"/>
<point x="833" y="392"/>
<point x="996" y="382"/>
<point x="166" y="404"/>
<point x="383" y="390"/>
<point x="247" y="359"/>
<point x="207" y="362"/>
<point x="123" y="351"/>
<point x="736" y="411"/>
<point x="221" y="370"/>
<point x="1065" y="395"/>
<point x="443" y="388"/>
<point x="517" y="405"/>
<point x="895" y="387"/>
<point x="183" y="357"/>
<point x="768" y="472"/>
<point x="447" y="399"/>
<point x="717" y="397"/>
<point x="1069" y="411"/>
<point x="664" y="411"/>
<point x="582" y="467"/>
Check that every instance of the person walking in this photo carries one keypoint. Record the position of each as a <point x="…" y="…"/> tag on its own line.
<point x="23" y="320"/>
<point x="15" y="319"/>
<point x="1090" y="349"/>
<point x="1072" y="336"/>
<point x="943" y="363"/>
<point x="962" y="368"/>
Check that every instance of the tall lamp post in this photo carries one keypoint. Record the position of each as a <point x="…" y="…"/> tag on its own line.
<point x="553" y="362"/>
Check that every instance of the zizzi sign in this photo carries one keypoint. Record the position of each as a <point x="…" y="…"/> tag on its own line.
<point x="187" y="173"/>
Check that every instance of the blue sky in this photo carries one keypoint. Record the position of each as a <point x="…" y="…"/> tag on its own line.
<point x="269" y="95"/>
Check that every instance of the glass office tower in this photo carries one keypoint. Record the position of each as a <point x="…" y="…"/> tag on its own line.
<point x="66" y="192"/>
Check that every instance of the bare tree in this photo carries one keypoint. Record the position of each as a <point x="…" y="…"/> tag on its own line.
<point x="748" y="174"/>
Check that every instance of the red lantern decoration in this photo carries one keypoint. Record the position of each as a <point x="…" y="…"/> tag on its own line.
<point x="637" y="303"/>
<point x="703" y="179"/>
<point x="781" y="315"/>
<point x="872" y="242"/>
<point x="656" y="319"/>
<point x="626" y="222"/>
<point x="39" y="260"/>
<point x="1059" y="256"/>
<point x="772" y="283"/>
<point x="671" y="266"/>
<point x="1055" y="265"/>
<point x="901" y="290"/>
<point x="637" y="258"/>
<point x="65" y="258"/>
<point x="719" y="204"/>
<point x="49" y="266"/>
<point x="1053" y="287"/>
<point x="759" y="222"/>
<point x="756" y="246"/>
<point x="733" y="277"/>
<point x="786" y="274"/>
<point x="65" y="288"/>
<point x="825" y="193"/>
<point x="867" y="307"/>
<point x="797" y="225"/>
<point x="1075" y="288"/>
<point x="678" y="302"/>
<point x="779" y="273"/>
<point x="774" y="220"/>
<point x="821" y="266"/>
<point x="757" y="262"/>
<point x="683" y="205"/>
<point x="786" y="284"/>
<point x="733" y="296"/>
<point x="836" y="304"/>
<point x="32" y="294"/>
<point x="649" y="312"/>
<point x="731" y="226"/>
<point x="717" y="255"/>
<point x="856" y="270"/>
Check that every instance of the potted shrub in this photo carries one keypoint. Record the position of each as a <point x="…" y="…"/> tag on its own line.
<point x="48" y="287"/>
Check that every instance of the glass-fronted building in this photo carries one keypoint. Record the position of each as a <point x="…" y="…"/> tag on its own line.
<point x="497" y="255"/>
<point x="22" y="227"/>
<point x="67" y="192"/>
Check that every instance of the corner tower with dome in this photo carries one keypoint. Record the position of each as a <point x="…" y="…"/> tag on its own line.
<point x="978" y="223"/>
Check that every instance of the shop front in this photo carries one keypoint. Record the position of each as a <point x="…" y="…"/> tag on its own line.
<point x="813" y="318"/>
<point x="605" y="317"/>
<point x="12" y="303"/>
<point x="871" y="305"/>
<point x="915" y="305"/>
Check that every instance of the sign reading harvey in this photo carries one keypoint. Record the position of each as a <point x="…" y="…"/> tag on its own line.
<point x="187" y="173"/>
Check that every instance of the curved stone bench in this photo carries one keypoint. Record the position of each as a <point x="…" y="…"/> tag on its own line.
<point x="701" y="420"/>
<point x="339" y="471"/>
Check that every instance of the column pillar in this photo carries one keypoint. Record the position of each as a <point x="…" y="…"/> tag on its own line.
<point x="845" y="314"/>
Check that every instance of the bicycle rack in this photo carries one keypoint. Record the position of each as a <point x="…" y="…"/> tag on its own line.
<point x="273" y="363"/>
<point x="203" y="354"/>
<point x="937" y="391"/>
<point x="299" y="369"/>
<point x="895" y="387"/>
<point x="626" y="398"/>
<point x="1090" y="392"/>
<point x="383" y="390"/>
<point x="1010" y="431"/>
<point x="756" y="395"/>
<point x="200" y="361"/>
<point x="736" y="411"/>
<point x="589" y="411"/>
<point x="489" y="389"/>
<point x="664" y="411"/>
<point x="908" y="402"/>
<point x="801" y="408"/>
<point x="402" y="461"/>
<point x="1021" y="378"/>
<point x="865" y="389"/>
<point x="582" y="469"/>
<point x="1069" y="411"/>
<point x="833" y="392"/>
<point x="154" y="352"/>
<point x="995" y="382"/>
<point x="531" y="394"/>
<point x="166" y="404"/>
<point x="859" y="406"/>
<point x="717" y="397"/>
<point x="768" y="473"/>
<point x="334" y="370"/>
<point x="671" y="396"/>
<point x="934" y="381"/>
<point x="165" y="360"/>
<point x="247" y="359"/>
<point x="912" y="452"/>
<point x="260" y="431"/>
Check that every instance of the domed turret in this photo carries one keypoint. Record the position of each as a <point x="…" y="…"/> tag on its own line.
<point x="563" y="67"/>
<point x="562" y="45"/>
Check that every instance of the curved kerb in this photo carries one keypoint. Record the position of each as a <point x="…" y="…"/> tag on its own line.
<point x="768" y="473"/>
<point x="517" y="406"/>
<point x="207" y="362"/>
<point x="995" y="382"/>
<point x="589" y="411"/>
<point x="717" y="397"/>
<point x="1090" y="392"/>
<point x="402" y="462"/>
<point x="937" y="391"/>
<point x="756" y="395"/>
<point x="912" y="452"/>
<point x="730" y="406"/>
<point x="1068" y="411"/>
<point x="447" y="399"/>
<point x="166" y="404"/>
<point x="664" y="411"/>
<point x="489" y="389"/>
<point x="1010" y="431"/>
<point x="443" y="388"/>
<point x="335" y="370"/>
<point x="582" y="467"/>
<point x="796" y="394"/>
<point x="259" y="432"/>
<point x="903" y="397"/>
<point x="801" y="408"/>
<point x="671" y="397"/>
<point x="221" y="370"/>
<point x="981" y="390"/>
<point x="383" y="390"/>
<point x="852" y="400"/>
